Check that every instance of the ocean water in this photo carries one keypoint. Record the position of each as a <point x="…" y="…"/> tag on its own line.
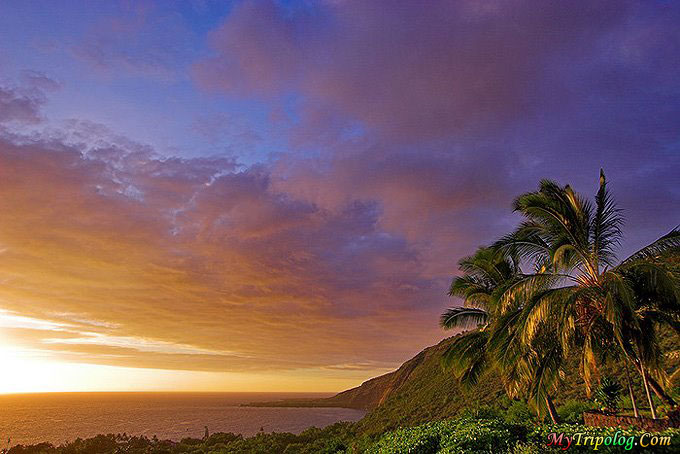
<point x="60" y="417"/>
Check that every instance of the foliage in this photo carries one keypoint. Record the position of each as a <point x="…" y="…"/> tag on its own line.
<point x="332" y="439"/>
<point x="527" y="448"/>
<point x="579" y="295"/>
<point x="463" y="435"/>
<point x="572" y="411"/>
<point x="526" y="369"/>
<point x="480" y="412"/>
<point x="552" y="290"/>
<point x="430" y="395"/>
<point x="453" y="436"/>
<point x="608" y="393"/>
<point x="495" y="436"/>
<point x="518" y="413"/>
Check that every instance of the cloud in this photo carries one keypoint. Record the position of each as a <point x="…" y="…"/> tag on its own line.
<point x="143" y="39"/>
<point x="410" y="72"/>
<point x="197" y="257"/>
<point x="39" y="81"/>
<point x="405" y="133"/>
<point x="20" y="106"/>
<point x="443" y="114"/>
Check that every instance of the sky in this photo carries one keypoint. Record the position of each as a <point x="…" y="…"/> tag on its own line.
<point x="274" y="195"/>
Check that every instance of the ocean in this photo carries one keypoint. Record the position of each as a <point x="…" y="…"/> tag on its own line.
<point x="61" y="417"/>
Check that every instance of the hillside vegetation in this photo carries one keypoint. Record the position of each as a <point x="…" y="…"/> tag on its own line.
<point x="459" y="436"/>
<point x="420" y="391"/>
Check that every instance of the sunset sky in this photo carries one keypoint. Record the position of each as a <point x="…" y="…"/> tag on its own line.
<point x="273" y="196"/>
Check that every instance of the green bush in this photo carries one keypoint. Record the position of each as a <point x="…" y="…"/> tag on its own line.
<point x="608" y="393"/>
<point x="496" y="436"/>
<point x="526" y="448"/>
<point x="572" y="411"/>
<point x="482" y="412"/>
<point x="453" y="436"/>
<point x="518" y="413"/>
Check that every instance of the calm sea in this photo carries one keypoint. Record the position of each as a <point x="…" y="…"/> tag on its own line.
<point x="60" y="417"/>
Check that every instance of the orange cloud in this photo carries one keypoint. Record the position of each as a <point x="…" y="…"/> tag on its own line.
<point x="115" y="256"/>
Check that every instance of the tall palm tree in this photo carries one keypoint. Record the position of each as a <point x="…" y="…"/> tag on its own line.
<point x="486" y="276"/>
<point x="529" y="370"/>
<point x="654" y="277"/>
<point x="593" y="304"/>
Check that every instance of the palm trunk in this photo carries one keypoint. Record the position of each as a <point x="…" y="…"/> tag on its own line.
<point x="649" y="396"/>
<point x="551" y="410"/>
<point x="630" y="390"/>
<point x="658" y="390"/>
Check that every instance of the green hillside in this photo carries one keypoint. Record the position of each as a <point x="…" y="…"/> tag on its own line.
<point x="427" y="393"/>
<point x="420" y="391"/>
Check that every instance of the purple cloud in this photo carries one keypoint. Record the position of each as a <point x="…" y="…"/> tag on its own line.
<point x="20" y="105"/>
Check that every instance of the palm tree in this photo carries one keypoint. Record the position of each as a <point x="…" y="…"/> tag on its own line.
<point x="576" y="287"/>
<point x="486" y="276"/>
<point x="494" y="344"/>
<point x="655" y="284"/>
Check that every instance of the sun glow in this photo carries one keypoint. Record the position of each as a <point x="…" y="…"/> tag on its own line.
<point x="36" y="367"/>
<point x="24" y="371"/>
<point x="29" y="371"/>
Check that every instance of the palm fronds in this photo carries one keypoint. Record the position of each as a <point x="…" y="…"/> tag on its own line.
<point x="577" y="298"/>
<point x="463" y="317"/>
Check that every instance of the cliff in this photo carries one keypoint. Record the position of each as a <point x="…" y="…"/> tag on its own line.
<point x="420" y="391"/>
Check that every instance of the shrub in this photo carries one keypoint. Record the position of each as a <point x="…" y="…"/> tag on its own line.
<point x="518" y="413"/>
<point x="572" y="411"/>
<point x="608" y="393"/>
<point x="527" y="448"/>
<point x="482" y="412"/>
<point x="453" y="436"/>
<point x="41" y="448"/>
<point x="496" y="436"/>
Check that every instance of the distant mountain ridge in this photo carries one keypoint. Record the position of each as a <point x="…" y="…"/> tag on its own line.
<point x="420" y="391"/>
<point x="373" y="392"/>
